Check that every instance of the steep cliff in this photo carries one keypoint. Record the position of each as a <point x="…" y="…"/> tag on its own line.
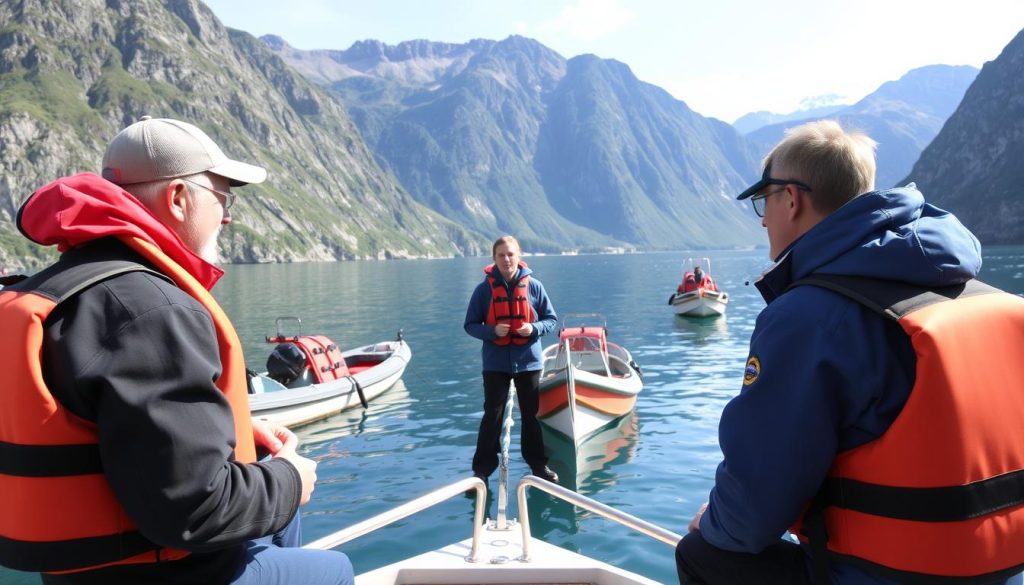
<point x="74" y="72"/>
<point x="974" y="166"/>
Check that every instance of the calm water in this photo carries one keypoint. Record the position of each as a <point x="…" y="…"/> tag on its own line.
<point x="657" y="465"/>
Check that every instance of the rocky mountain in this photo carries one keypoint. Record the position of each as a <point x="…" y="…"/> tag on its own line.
<point x="74" y="72"/>
<point x="902" y="115"/>
<point x="817" y="107"/>
<point x="508" y="136"/>
<point x="974" y="168"/>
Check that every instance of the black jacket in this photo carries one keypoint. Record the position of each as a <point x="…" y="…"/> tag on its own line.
<point x="139" y="357"/>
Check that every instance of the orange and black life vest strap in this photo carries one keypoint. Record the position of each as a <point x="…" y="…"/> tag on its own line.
<point x="890" y="298"/>
<point x="67" y="555"/>
<point x="78" y="269"/>
<point x="938" y="504"/>
<point x="12" y="279"/>
<point x="49" y="460"/>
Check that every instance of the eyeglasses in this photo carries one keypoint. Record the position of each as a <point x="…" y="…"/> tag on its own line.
<point x="229" y="198"/>
<point x="758" y="199"/>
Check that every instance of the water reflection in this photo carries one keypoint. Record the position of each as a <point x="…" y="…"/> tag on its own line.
<point x="356" y="421"/>
<point x="701" y="330"/>
<point x="424" y="439"/>
<point x="587" y="468"/>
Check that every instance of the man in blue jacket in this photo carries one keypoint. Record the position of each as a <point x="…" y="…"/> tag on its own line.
<point x="825" y="374"/>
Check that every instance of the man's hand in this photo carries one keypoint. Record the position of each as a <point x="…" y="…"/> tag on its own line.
<point x="270" y="436"/>
<point x="501" y="329"/>
<point x="526" y="330"/>
<point x="282" y="443"/>
<point x="695" y="523"/>
<point x="306" y="467"/>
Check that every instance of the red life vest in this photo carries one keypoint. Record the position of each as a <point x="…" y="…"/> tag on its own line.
<point x="58" y="513"/>
<point x="688" y="283"/>
<point x="941" y="492"/>
<point x="515" y="308"/>
<point x="323" y="356"/>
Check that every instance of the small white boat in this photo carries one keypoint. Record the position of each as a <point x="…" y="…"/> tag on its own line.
<point x="309" y="378"/>
<point x="587" y="382"/>
<point x="698" y="295"/>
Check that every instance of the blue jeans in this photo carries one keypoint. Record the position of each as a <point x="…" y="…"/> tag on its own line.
<point x="278" y="560"/>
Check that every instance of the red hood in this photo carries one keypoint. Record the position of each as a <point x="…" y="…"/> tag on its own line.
<point x="76" y="210"/>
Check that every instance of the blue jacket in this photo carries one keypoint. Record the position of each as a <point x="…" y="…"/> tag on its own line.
<point x="510" y="358"/>
<point x="825" y="374"/>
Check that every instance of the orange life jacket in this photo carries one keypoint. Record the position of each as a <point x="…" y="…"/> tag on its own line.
<point x="708" y="283"/>
<point x="688" y="284"/>
<point x="516" y="309"/>
<point x="941" y="492"/>
<point x="58" y="513"/>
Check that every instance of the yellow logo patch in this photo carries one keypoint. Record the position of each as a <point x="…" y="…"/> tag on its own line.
<point x="752" y="371"/>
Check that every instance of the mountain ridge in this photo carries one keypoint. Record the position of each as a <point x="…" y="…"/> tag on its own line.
<point x="500" y="172"/>
<point x="76" y="72"/>
<point x="902" y="115"/>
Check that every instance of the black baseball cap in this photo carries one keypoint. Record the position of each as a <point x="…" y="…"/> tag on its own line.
<point x="766" y="180"/>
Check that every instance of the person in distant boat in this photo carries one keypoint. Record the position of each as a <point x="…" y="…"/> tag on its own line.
<point x="879" y="415"/>
<point x="129" y="452"/>
<point x="510" y="311"/>
<point x="698" y="277"/>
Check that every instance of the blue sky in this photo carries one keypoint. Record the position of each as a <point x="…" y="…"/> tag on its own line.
<point x="724" y="58"/>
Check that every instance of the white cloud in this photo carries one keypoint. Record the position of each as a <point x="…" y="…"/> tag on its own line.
<point x="587" y="20"/>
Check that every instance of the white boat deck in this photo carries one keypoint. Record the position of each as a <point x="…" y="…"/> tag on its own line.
<point x="501" y="552"/>
<point x="500" y="561"/>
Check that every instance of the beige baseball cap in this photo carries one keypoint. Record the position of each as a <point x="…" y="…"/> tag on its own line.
<point x="162" y="148"/>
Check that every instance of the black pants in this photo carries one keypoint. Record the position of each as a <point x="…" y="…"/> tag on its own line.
<point x="488" y="440"/>
<point x="699" y="563"/>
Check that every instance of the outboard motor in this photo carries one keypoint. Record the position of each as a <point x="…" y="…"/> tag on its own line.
<point x="286" y="363"/>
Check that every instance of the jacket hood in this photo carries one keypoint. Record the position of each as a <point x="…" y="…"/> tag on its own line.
<point x="891" y="234"/>
<point x="76" y="210"/>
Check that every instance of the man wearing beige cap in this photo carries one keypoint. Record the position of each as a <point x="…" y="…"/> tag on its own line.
<point x="129" y="455"/>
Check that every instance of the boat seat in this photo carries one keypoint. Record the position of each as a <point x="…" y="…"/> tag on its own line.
<point x="592" y="362"/>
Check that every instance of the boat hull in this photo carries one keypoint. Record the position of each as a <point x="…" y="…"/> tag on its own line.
<point x="700" y="303"/>
<point x="600" y="400"/>
<point x="293" y="407"/>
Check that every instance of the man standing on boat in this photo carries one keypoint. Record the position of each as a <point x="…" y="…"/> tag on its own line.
<point x="879" y="417"/>
<point x="129" y="454"/>
<point x="510" y="311"/>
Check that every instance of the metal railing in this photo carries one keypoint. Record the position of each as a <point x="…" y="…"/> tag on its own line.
<point x="506" y="439"/>
<point x="628" y="520"/>
<point x="443" y="494"/>
<point x="460" y="487"/>
<point x="411" y="507"/>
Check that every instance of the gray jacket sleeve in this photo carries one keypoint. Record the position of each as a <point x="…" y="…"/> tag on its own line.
<point x="139" y="357"/>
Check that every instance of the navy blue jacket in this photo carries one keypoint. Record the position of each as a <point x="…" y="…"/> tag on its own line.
<point x="511" y="358"/>
<point x="824" y="373"/>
